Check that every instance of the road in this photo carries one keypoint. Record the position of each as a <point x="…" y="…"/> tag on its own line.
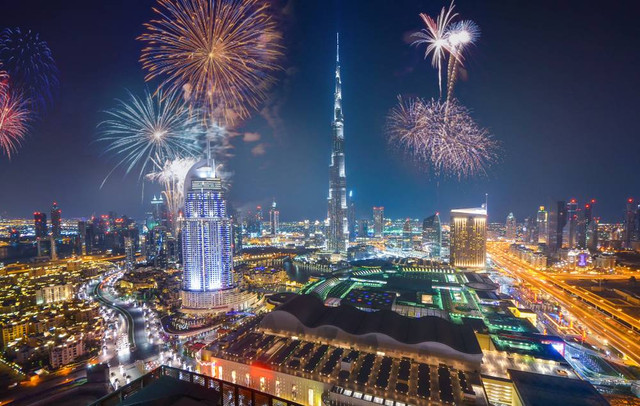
<point x="141" y="348"/>
<point x="626" y="341"/>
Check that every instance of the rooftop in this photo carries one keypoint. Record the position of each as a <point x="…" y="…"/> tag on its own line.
<point x="535" y="389"/>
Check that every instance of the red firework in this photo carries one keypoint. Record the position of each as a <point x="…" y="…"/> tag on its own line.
<point x="14" y="117"/>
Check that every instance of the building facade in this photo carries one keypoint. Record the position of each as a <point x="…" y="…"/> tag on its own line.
<point x="338" y="231"/>
<point x="56" y="220"/>
<point x="432" y="235"/>
<point x="378" y="221"/>
<point x="206" y="238"/>
<point x="468" y="238"/>
<point x="274" y="219"/>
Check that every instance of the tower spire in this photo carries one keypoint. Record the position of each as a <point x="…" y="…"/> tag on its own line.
<point x="337" y="102"/>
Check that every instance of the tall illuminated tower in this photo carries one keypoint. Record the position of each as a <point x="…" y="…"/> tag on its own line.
<point x="468" y="246"/>
<point x="206" y="240"/>
<point x="56" y="220"/>
<point x="432" y="235"/>
<point x="338" y="232"/>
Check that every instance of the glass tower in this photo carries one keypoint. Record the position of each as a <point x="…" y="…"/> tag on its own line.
<point x="206" y="232"/>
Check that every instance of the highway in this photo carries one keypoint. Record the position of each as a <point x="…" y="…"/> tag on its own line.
<point x="618" y="335"/>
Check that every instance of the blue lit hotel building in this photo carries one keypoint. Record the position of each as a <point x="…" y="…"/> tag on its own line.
<point x="206" y="246"/>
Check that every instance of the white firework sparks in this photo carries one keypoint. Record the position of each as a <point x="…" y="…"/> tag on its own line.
<point x="442" y="137"/>
<point x="146" y="131"/>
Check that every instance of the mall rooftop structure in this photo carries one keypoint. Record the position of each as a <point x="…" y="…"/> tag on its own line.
<point x="383" y="330"/>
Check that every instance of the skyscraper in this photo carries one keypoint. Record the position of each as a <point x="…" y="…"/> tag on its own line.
<point x="40" y="224"/>
<point x="206" y="237"/>
<point x="570" y="230"/>
<point x="584" y="219"/>
<point x="542" y="223"/>
<point x="56" y="219"/>
<point x="159" y="211"/>
<point x="592" y="235"/>
<point x="129" y="252"/>
<point x="557" y="221"/>
<point x="351" y="217"/>
<point x="510" y="228"/>
<point x="468" y="238"/>
<point x="378" y="221"/>
<point x="274" y="219"/>
<point x="338" y="232"/>
<point x="432" y="235"/>
<point x="407" y="242"/>
<point x="630" y="223"/>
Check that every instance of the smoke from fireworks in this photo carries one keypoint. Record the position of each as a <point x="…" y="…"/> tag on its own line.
<point x="145" y="132"/>
<point x="29" y="62"/>
<point x="446" y="40"/>
<point x="222" y="53"/>
<point x="171" y="176"/>
<point x="442" y="137"/>
<point x="14" y="117"/>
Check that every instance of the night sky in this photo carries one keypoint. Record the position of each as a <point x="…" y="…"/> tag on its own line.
<point x="556" y="82"/>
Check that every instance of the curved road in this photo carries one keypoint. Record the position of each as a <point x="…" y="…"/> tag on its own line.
<point x="141" y="349"/>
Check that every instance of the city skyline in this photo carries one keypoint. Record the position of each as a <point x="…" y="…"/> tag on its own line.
<point x="297" y="203"/>
<point x="575" y="168"/>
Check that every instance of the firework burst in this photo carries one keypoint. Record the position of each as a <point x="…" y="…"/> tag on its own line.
<point x="442" y="137"/>
<point x="14" y="117"/>
<point x="446" y="41"/>
<point x="221" y="53"/>
<point x="145" y="132"/>
<point x="171" y="176"/>
<point x="29" y="62"/>
<point x="435" y="37"/>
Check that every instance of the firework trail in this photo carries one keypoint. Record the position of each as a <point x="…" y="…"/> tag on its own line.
<point x="442" y="137"/>
<point x="14" y="117"/>
<point x="145" y="132"/>
<point x="446" y="42"/>
<point x="171" y="176"/>
<point x="435" y="37"/>
<point x="29" y="62"/>
<point x="460" y="35"/>
<point x="221" y="53"/>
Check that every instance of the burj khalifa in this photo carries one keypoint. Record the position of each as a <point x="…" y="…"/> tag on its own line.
<point x="338" y="231"/>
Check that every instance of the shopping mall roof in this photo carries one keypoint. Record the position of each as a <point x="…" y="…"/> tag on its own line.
<point x="306" y="314"/>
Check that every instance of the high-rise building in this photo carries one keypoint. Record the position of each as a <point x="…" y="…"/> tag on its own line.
<point x="511" y="228"/>
<point x="274" y="219"/>
<point x="129" y="254"/>
<point x="557" y="221"/>
<point x="351" y="217"/>
<point x="40" y="224"/>
<point x="363" y="228"/>
<point x="570" y="230"/>
<point x="206" y="240"/>
<point x="56" y="227"/>
<point x="338" y="231"/>
<point x="585" y="216"/>
<point x="432" y="235"/>
<point x="530" y="230"/>
<point x="592" y="235"/>
<point x="82" y="237"/>
<point x="542" y="225"/>
<point x="468" y="246"/>
<point x="407" y="234"/>
<point x="237" y="234"/>
<point x="378" y="221"/>
<point x="630" y="223"/>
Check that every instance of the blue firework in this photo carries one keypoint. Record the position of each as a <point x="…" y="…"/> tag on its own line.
<point x="30" y="64"/>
